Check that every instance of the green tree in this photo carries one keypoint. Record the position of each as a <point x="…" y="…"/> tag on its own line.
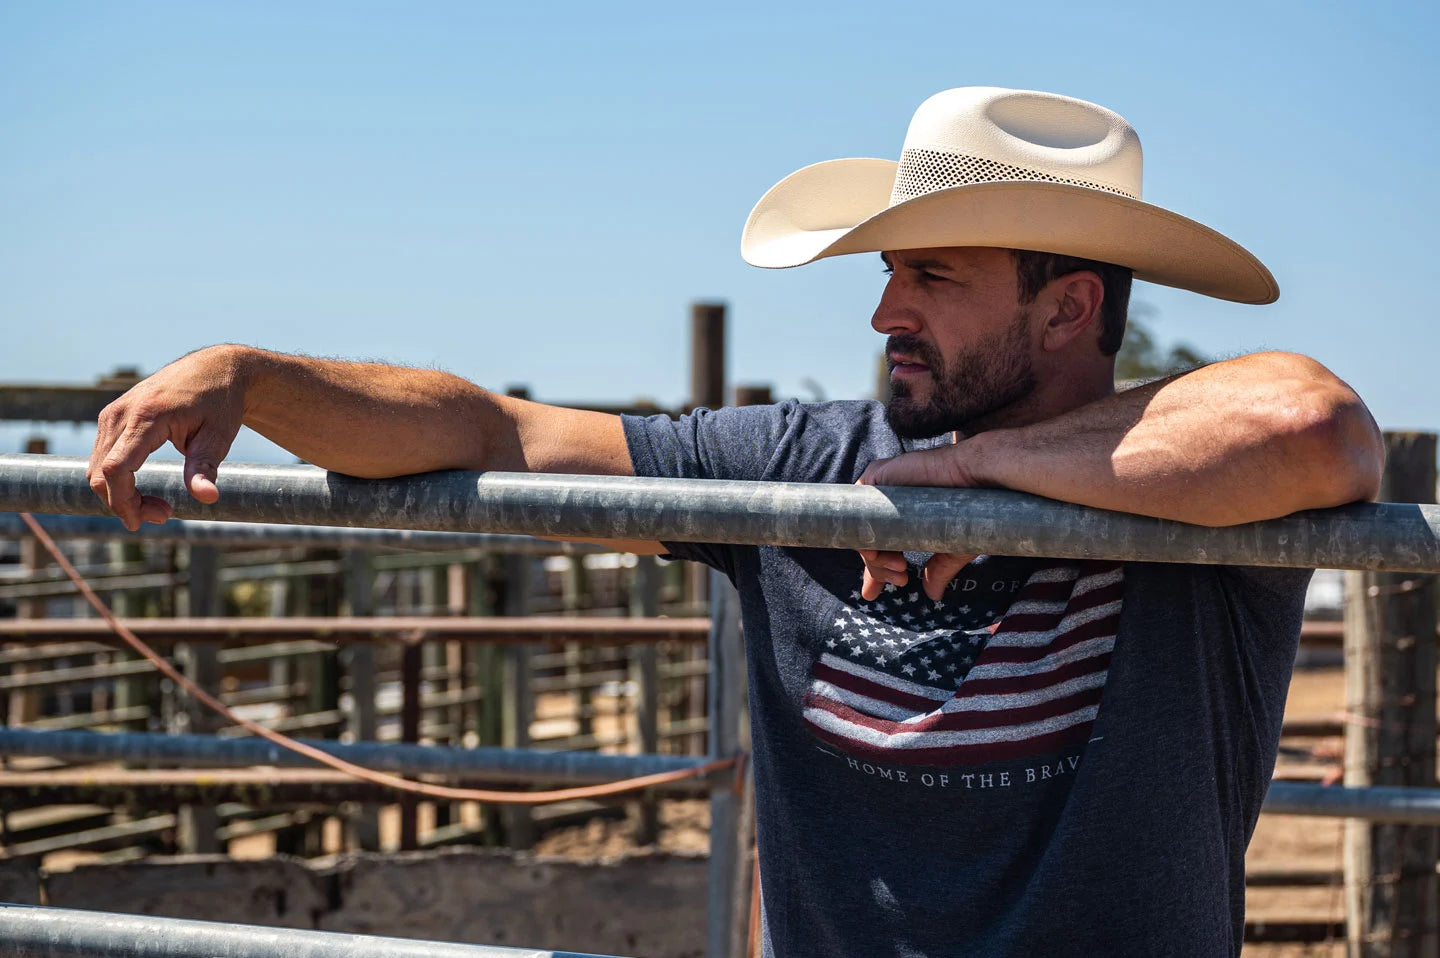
<point x="1143" y="357"/>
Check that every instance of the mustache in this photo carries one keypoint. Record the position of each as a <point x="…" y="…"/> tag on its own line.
<point x="914" y="347"/>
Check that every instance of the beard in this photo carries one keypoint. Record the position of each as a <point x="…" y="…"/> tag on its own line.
<point x="966" y="394"/>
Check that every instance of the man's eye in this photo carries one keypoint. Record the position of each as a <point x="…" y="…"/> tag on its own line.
<point x="888" y="270"/>
<point x="930" y="277"/>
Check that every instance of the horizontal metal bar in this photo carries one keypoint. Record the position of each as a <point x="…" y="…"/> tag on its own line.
<point x="1377" y="803"/>
<point x="1386" y="536"/>
<point x="96" y="527"/>
<point x="344" y="630"/>
<point x="485" y="763"/>
<point x="33" y="932"/>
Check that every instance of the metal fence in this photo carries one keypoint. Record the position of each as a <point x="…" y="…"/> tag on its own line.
<point x="1385" y="536"/>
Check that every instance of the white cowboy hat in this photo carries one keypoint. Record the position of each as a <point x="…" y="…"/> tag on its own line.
<point x="982" y="166"/>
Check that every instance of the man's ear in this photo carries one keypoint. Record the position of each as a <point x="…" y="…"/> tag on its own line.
<point x="1076" y="299"/>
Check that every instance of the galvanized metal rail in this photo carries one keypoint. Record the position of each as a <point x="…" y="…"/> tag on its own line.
<point x="344" y="630"/>
<point x="1377" y="804"/>
<point x="33" y="932"/>
<point x="212" y="532"/>
<point x="469" y="764"/>
<point x="1383" y="536"/>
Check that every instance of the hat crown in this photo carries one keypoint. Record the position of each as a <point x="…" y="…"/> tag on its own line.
<point x="974" y="135"/>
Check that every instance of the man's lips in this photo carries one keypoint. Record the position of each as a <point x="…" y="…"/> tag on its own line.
<point x="905" y="366"/>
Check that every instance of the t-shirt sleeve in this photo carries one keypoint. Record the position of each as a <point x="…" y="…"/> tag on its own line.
<point x="785" y="442"/>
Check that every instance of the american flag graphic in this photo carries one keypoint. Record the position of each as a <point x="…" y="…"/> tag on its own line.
<point x="908" y="680"/>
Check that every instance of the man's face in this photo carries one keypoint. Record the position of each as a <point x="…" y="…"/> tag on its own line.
<point x="959" y="343"/>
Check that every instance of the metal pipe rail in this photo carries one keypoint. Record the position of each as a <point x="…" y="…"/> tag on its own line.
<point x="484" y="764"/>
<point x="1382" y="536"/>
<point x="212" y="532"/>
<point x="33" y="932"/>
<point x="344" y="630"/>
<point x="1374" y="803"/>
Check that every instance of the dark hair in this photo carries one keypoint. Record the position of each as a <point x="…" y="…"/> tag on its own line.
<point x="1035" y="269"/>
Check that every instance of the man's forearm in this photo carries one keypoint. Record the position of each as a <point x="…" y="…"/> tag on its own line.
<point x="370" y="419"/>
<point x="1237" y="441"/>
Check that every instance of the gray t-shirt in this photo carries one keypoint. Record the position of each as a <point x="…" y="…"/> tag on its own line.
<point x="1058" y="757"/>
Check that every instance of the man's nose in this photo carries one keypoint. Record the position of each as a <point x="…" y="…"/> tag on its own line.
<point x="893" y="316"/>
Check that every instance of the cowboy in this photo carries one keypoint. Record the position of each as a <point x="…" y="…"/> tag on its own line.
<point x="1039" y="756"/>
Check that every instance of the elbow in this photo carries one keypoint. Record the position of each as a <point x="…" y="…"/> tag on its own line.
<point x="1336" y="442"/>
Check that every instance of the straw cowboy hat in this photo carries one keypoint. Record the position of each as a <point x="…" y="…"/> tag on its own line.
<point x="982" y="166"/>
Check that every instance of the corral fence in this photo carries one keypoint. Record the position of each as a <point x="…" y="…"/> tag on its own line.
<point x="1394" y="544"/>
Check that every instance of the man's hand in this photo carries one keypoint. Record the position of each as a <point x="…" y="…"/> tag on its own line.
<point x="944" y="466"/>
<point x="197" y="403"/>
<point x="1238" y="441"/>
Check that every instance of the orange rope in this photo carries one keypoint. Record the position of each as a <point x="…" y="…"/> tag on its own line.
<point x="446" y="792"/>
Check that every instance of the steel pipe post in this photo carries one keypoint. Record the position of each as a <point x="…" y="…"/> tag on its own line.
<point x="731" y="825"/>
<point x="1383" y="536"/>
<point x="35" y="932"/>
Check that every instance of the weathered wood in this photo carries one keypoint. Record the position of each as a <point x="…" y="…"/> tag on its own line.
<point x="358" y="663"/>
<point x="707" y="389"/>
<point x="1390" y="663"/>
<point x="200" y="661"/>
<point x="23" y="705"/>
<point x="410" y="663"/>
<point x="518" y="708"/>
<point x="645" y="674"/>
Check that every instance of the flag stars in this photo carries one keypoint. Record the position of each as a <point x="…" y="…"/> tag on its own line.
<point x="908" y="669"/>
<point x="933" y="675"/>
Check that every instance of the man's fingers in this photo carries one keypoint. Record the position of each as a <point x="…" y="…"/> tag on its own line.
<point x="938" y="573"/>
<point x="202" y="465"/>
<point x="117" y="470"/>
<point x="155" y="510"/>
<point x="881" y="569"/>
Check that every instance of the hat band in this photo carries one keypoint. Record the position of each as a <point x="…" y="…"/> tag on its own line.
<point x="924" y="171"/>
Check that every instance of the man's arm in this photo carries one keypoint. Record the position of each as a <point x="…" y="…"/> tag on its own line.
<point x="362" y="419"/>
<point x="1237" y="441"/>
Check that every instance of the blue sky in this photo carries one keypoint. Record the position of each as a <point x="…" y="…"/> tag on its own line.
<point x="535" y="195"/>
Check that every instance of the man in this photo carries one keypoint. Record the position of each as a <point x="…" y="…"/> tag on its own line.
<point x="953" y="755"/>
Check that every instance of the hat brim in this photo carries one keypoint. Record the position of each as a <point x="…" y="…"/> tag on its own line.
<point x="841" y="206"/>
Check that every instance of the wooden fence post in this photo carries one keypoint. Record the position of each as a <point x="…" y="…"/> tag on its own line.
<point x="707" y="388"/>
<point x="24" y="704"/>
<point x="196" y="830"/>
<point x="645" y="674"/>
<point x="1390" y="662"/>
<point x="358" y="663"/>
<point x="519" y="706"/>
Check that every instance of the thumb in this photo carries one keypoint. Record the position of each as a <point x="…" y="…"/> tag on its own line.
<point x="926" y="467"/>
<point x="942" y="568"/>
<point x="203" y="456"/>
